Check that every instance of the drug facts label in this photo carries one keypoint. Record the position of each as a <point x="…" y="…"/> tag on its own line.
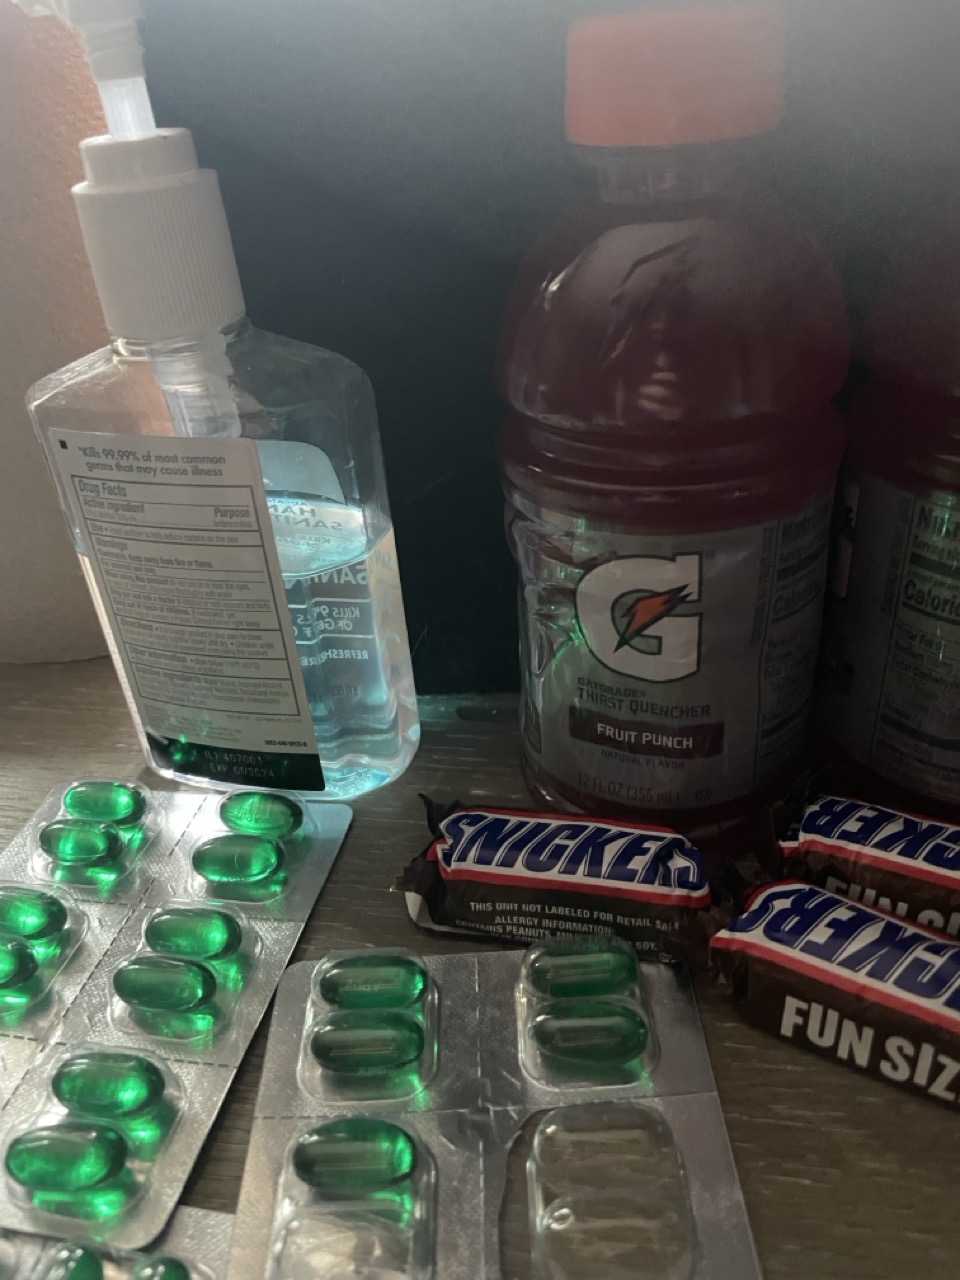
<point x="893" y="634"/>
<point x="176" y="543"/>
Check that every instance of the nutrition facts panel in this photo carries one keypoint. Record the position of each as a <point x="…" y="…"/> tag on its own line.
<point x="179" y="545"/>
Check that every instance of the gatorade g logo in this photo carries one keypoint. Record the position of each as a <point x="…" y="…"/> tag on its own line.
<point x="628" y="613"/>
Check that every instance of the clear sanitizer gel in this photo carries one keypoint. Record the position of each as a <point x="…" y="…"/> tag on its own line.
<point x="224" y="488"/>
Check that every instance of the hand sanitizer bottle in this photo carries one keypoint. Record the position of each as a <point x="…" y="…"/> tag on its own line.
<point x="225" y="492"/>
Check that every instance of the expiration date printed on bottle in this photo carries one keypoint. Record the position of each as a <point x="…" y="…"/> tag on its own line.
<point x="176" y="539"/>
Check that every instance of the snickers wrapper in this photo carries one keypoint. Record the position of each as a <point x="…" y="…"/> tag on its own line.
<point x="850" y="982"/>
<point x="516" y="877"/>
<point x="899" y="862"/>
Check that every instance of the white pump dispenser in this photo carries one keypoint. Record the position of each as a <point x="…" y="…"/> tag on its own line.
<point x="157" y="238"/>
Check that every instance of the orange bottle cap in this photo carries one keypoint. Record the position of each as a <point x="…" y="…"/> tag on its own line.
<point x="658" y="77"/>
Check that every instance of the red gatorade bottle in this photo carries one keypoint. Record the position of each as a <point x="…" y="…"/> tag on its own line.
<point x="892" y="694"/>
<point x="670" y="354"/>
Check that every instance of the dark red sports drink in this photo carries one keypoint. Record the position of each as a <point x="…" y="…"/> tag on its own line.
<point x="670" y="354"/>
<point x="892" y="698"/>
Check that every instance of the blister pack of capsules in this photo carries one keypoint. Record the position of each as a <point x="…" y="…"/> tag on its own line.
<point x="194" y="1246"/>
<point x="68" y="883"/>
<point x="145" y="935"/>
<point x="548" y="1113"/>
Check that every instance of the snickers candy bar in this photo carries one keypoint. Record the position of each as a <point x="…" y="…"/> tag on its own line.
<point x="849" y="982"/>
<point x="899" y="862"/>
<point x="518" y="877"/>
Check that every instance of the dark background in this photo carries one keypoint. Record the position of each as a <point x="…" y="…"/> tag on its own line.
<point x="385" y="164"/>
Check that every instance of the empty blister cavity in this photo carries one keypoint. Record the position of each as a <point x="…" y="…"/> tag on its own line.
<point x="357" y="1199"/>
<point x="607" y="1197"/>
<point x="581" y="1014"/>
<point x="186" y="978"/>
<point x="87" y="1153"/>
<point x="372" y="1027"/>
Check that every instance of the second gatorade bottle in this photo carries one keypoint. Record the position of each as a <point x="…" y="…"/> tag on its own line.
<point x="891" y="699"/>
<point x="670" y="354"/>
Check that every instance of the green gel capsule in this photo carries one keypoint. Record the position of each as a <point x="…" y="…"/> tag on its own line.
<point x="193" y="933"/>
<point x="599" y="1033"/>
<point x="17" y="966"/>
<point x="570" y="969"/>
<point x="237" y="859"/>
<point x="161" y="1269"/>
<point x="160" y="984"/>
<point x="354" y="1155"/>
<point x="96" y="1204"/>
<point x="77" y="842"/>
<point x="114" y="802"/>
<point x="73" y="1262"/>
<point x="109" y="1086"/>
<point x="29" y="914"/>
<point x="372" y="982"/>
<point x="66" y="1157"/>
<point x="261" y="813"/>
<point x="359" y="1043"/>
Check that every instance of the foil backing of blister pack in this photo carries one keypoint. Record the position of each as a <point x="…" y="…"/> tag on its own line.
<point x="91" y="1016"/>
<point x="480" y="1102"/>
<point x="442" y="1116"/>
<point x="200" y="1238"/>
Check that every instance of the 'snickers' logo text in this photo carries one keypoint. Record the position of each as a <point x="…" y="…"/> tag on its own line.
<point x="578" y="854"/>
<point x="878" y="837"/>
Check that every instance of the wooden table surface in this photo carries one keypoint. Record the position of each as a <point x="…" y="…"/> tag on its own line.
<point x="844" y="1178"/>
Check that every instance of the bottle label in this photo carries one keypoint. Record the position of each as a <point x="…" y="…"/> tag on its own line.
<point x="176" y="537"/>
<point x="679" y="674"/>
<point x="893" y="634"/>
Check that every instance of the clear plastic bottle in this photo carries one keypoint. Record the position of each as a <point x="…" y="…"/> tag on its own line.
<point x="249" y="592"/>
<point x="670" y="353"/>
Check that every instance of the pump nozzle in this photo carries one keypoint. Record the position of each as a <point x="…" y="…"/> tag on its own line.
<point x="111" y="41"/>
<point x="154" y="227"/>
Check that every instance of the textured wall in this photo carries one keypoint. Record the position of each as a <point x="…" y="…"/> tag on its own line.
<point x="49" y="315"/>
